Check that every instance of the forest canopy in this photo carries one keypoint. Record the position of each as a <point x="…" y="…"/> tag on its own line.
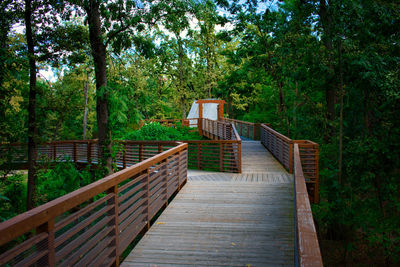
<point x="323" y="70"/>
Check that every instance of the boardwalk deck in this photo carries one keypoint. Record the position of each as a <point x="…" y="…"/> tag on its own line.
<point x="221" y="219"/>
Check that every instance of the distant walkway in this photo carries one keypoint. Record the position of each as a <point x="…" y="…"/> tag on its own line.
<point x="222" y="219"/>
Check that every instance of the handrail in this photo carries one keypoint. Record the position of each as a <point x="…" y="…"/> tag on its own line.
<point x="309" y="253"/>
<point x="124" y="202"/>
<point x="281" y="147"/>
<point x="247" y="129"/>
<point x="218" y="130"/>
<point x="230" y="144"/>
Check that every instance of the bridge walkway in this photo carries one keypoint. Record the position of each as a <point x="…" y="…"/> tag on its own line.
<point x="223" y="219"/>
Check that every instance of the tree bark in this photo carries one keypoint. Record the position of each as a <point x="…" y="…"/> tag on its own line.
<point x="32" y="129"/>
<point x="85" y="113"/>
<point x="330" y="91"/>
<point x="100" y="65"/>
<point x="181" y="88"/>
<point x="340" y="161"/>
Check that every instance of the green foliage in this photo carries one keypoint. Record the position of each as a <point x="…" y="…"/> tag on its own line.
<point x="62" y="179"/>
<point x="155" y="131"/>
<point x="12" y="196"/>
<point x="272" y="63"/>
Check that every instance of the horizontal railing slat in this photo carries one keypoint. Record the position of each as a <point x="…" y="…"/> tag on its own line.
<point x="91" y="230"/>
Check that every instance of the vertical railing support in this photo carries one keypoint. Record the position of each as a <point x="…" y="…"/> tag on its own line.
<point x="240" y="157"/>
<point x="166" y="175"/>
<point x="48" y="227"/>
<point x="74" y="154"/>
<point x="316" y="187"/>
<point x="179" y="170"/>
<point x="148" y="198"/>
<point x="140" y="153"/>
<point x="291" y="157"/>
<point x="221" y="157"/>
<point x="54" y="151"/>
<point x="198" y="156"/>
<point x="89" y="152"/>
<point x="114" y="222"/>
<point x="124" y="156"/>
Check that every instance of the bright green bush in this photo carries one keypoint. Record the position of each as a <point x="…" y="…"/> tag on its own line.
<point x="12" y="196"/>
<point x="62" y="179"/>
<point x="156" y="131"/>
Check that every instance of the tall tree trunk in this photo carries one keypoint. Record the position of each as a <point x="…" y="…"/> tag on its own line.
<point x="100" y="65"/>
<point x="85" y="112"/>
<point x="282" y="107"/>
<point x="330" y="88"/>
<point x="295" y="112"/>
<point x="32" y="129"/>
<point x="181" y="88"/>
<point x="340" y="163"/>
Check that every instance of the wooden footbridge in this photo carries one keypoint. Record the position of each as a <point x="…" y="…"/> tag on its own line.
<point x="224" y="219"/>
<point x="242" y="203"/>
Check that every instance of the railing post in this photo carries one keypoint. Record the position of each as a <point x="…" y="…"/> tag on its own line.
<point x="200" y="125"/>
<point x="74" y="156"/>
<point x="140" y="152"/>
<point x="89" y="152"/>
<point x="316" y="185"/>
<point x="256" y="131"/>
<point x="148" y="198"/>
<point x="291" y="157"/>
<point x="221" y="157"/>
<point x="124" y="156"/>
<point x="240" y="157"/>
<point x="115" y="221"/>
<point x="166" y="174"/>
<point x="54" y="151"/>
<point x="179" y="170"/>
<point x="48" y="227"/>
<point x="198" y="156"/>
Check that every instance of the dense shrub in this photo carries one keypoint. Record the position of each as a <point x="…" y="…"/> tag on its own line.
<point x="12" y="196"/>
<point x="156" y="131"/>
<point x="62" y="179"/>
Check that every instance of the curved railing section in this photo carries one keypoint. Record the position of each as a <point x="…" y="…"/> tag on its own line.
<point x="281" y="147"/>
<point x="249" y="130"/>
<point x="307" y="242"/>
<point x="222" y="153"/>
<point x="96" y="223"/>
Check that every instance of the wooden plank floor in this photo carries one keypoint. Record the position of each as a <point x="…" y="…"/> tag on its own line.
<point x="221" y="219"/>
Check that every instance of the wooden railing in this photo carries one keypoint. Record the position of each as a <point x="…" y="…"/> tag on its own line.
<point x="86" y="151"/>
<point x="309" y="253"/>
<point x="281" y="147"/>
<point x="246" y="129"/>
<point x="221" y="153"/>
<point x="95" y="224"/>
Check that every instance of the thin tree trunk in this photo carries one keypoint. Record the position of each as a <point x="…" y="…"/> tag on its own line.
<point x="181" y="76"/>
<point x="100" y="65"/>
<point x="341" y="114"/>
<point x="32" y="129"/>
<point x="85" y="113"/>
<point x="295" y="112"/>
<point x="330" y="91"/>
